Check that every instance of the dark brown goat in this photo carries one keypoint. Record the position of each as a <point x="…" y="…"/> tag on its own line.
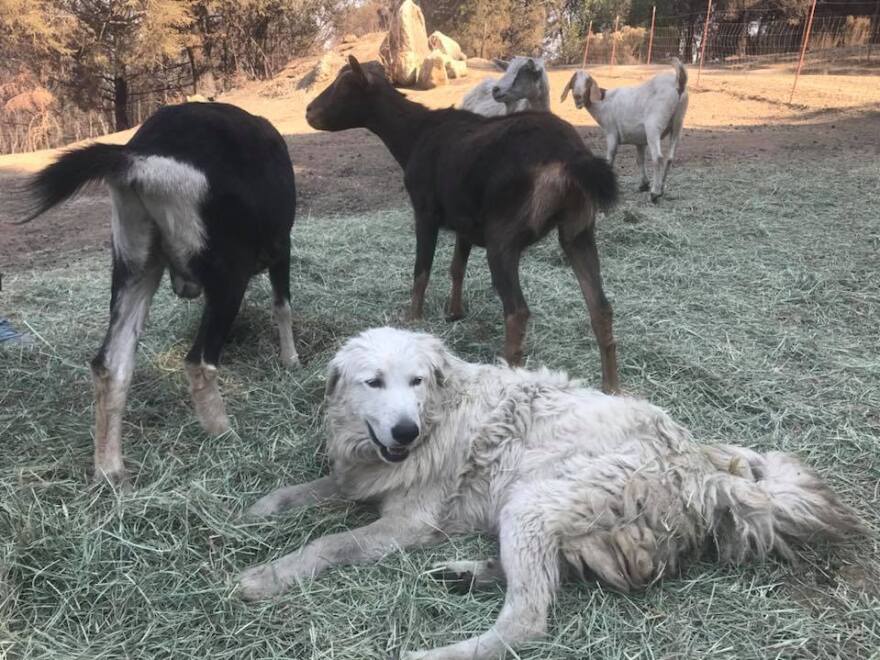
<point x="501" y="183"/>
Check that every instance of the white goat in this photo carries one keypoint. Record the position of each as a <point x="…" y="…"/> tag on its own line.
<point x="642" y="115"/>
<point x="524" y="86"/>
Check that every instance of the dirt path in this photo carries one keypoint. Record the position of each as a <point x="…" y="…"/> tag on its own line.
<point x="735" y="115"/>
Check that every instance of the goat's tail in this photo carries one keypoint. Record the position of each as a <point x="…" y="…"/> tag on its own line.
<point x="758" y="503"/>
<point x="596" y="178"/>
<point x="73" y="170"/>
<point x="681" y="75"/>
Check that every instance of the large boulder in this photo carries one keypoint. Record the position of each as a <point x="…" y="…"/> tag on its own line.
<point x="447" y="45"/>
<point x="455" y="68"/>
<point x="432" y="73"/>
<point x="406" y="45"/>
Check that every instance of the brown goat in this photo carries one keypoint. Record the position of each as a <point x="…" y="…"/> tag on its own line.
<point x="498" y="182"/>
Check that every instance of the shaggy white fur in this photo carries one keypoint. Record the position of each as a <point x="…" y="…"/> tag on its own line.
<point x="568" y="478"/>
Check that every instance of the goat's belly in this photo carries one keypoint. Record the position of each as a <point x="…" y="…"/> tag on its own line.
<point x="468" y="230"/>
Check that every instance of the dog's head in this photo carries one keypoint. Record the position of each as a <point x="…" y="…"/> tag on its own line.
<point x="384" y="381"/>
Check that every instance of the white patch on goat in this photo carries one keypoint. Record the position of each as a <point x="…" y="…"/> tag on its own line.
<point x="172" y="193"/>
<point x="111" y="386"/>
<point x="130" y="225"/>
<point x="284" y="322"/>
<point x="207" y="401"/>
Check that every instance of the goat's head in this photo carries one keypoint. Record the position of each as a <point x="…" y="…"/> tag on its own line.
<point x="345" y="103"/>
<point x="521" y="80"/>
<point x="584" y="90"/>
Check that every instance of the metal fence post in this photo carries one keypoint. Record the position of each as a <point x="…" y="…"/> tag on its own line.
<point x="587" y="46"/>
<point x="704" y="40"/>
<point x="651" y="38"/>
<point x="797" y="73"/>
<point x="614" y="39"/>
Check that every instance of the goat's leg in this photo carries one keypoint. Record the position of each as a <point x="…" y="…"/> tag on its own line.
<point x="223" y="296"/>
<point x="279" y="277"/>
<point x="132" y="291"/>
<point x="655" y="150"/>
<point x="531" y="566"/>
<point x="674" y="136"/>
<point x="504" y="267"/>
<point x="611" y="143"/>
<point x="426" y="244"/>
<point x="584" y="258"/>
<point x="456" y="272"/>
<point x="644" y="184"/>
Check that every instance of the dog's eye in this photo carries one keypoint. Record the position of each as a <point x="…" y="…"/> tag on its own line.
<point x="415" y="382"/>
<point x="375" y="382"/>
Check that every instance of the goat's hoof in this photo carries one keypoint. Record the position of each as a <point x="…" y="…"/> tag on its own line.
<point x="655" y="197"/>
<point x="645" y="187"/>
<point x="290" y="361"/>
<point x="454" y="316"/>
<point x="115" y="478"/>
<point x="216" y="425"/>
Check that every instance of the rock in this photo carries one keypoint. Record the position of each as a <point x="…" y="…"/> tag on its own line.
<point x="456" y="68"/>
<point x="406" y="45"/>
<point x="349" y="38"/>
<point x="432" y="73"/>
<point x="447" y="45"/>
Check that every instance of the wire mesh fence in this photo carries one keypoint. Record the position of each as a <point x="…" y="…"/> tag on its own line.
<point x="744" y="44"/>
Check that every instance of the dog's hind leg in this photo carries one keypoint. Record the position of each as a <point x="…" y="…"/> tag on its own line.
<point x="530" y="561"/>
<point x="466" y="576"/>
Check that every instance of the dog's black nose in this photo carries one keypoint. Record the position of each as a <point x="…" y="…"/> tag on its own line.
<point x="404" y="432"/>
<point x="496" y="91"/>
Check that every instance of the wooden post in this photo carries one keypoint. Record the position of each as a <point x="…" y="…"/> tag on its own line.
<point x="803" y="50"/>
<point x="651" y="38"/>
<point x="587" y="46"/>
<point x="704" y="40"/>
<point x="875" y="31"/>
<point x="614" y="39"/>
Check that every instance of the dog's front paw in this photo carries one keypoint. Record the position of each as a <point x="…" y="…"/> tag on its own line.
<point x="259" y="583"/>
<point x="263" y="508"/>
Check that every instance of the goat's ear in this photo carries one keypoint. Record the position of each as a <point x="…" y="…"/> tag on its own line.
<point x="568" y="86"/>
<point x="333" y="377"/>
<point x="596" y="93"/>
<point x="357" y="69"/>
<point x="501" y="64"/>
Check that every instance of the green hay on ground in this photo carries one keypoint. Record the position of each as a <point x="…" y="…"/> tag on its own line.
<point x="747" y="303"/>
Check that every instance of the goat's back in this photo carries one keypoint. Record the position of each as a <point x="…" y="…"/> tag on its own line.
<point x="470" y="167"/>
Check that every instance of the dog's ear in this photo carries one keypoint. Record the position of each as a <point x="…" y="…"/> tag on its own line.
<point x="333" y="376"/>
<point x="439" y="377"/>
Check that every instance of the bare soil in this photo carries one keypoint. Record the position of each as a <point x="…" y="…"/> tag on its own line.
<point x="737" y="115"/>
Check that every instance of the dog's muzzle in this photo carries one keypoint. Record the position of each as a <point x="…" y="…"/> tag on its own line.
<point x="388" y="454"/>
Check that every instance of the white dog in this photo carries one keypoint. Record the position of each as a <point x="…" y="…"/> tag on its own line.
<point x="566" y="477"/>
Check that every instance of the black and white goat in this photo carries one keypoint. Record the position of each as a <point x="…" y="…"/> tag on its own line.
<point x="206" y="191"/>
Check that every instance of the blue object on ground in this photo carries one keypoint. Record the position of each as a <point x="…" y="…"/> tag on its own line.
<point x="8" y="334"/>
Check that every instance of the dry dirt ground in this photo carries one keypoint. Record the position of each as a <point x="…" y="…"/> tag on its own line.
<point x="733" y="115"/>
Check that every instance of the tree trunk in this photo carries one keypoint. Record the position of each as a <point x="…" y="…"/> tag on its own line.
<point x="120" y="103"/>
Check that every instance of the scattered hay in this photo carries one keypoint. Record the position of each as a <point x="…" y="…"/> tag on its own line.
<point x="749" y="307"/>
